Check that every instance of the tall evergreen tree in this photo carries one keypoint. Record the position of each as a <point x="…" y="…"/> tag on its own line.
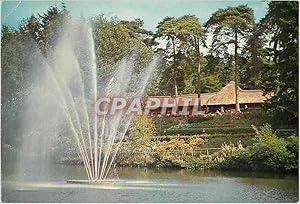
<point x="230" y="26"/>
<point x="179" y="32"/>
<point x="281" y="77"/>
<point x="192" y="32"/>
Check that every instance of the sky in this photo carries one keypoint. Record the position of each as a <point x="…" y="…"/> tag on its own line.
<point x="150" y="11"/>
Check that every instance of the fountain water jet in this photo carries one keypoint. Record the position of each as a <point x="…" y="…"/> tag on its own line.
<point x="71" y="78"/>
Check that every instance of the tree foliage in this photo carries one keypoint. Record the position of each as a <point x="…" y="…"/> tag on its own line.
<point x="184" y="35"/>
<point x="281" y="76"/>
<point x="20" y="66"/>
<point x="115" y="39"/>
<point x="229" y="26"/>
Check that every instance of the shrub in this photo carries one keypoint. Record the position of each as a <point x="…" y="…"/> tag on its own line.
<point x="190" y="162"/>
<point x="197" y="119"/>
<point x="256" y="118"/>
<point x="268" y="153"/>
<point x="138" y="144"/>
<point x="239" y="160"/>
<point x="293" y="148"/>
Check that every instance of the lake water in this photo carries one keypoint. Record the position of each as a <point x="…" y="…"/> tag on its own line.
<point x="149" y="185"/>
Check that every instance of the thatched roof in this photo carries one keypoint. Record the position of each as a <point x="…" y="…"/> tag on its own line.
<point x="226" y="96"/>
<point x="204" y="96"/>
<point x="253" y="96"/>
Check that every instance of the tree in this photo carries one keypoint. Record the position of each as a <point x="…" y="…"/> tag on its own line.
<point x="230" y="26"/>
<point x="182" y="33"/>
<point x="193" y="33"/>
<point x="52" y="26"/>
<point x="210" y="83"/>
<point x="168" y="28"/>
<point x="20" y="65"/>
<point x="17" y="67"/>
<point x="115" y="39"/>
<point x="31" y="27"/>
<point x="281" y="76"/>
<point x="254" y="54"/>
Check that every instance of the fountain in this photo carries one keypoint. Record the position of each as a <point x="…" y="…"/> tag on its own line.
<point x="66" y="95"/>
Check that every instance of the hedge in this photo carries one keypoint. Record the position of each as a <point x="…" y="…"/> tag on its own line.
<point x="221" y="125"/>
<point x="218" y="141"/>
<point x="215" y="140"/>
<point x="169" y="137"/>
<point x="195" y="131"/>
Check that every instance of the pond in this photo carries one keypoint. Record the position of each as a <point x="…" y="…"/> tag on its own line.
<point x="150" y="185"/>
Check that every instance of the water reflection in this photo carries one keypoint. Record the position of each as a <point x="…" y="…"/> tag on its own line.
<point x="152" y="185"/>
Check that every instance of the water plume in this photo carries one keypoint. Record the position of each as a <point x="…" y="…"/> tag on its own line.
<point x="70" y="87"/>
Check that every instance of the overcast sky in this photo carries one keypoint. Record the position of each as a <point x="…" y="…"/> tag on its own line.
<point x="150" y="11"/>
